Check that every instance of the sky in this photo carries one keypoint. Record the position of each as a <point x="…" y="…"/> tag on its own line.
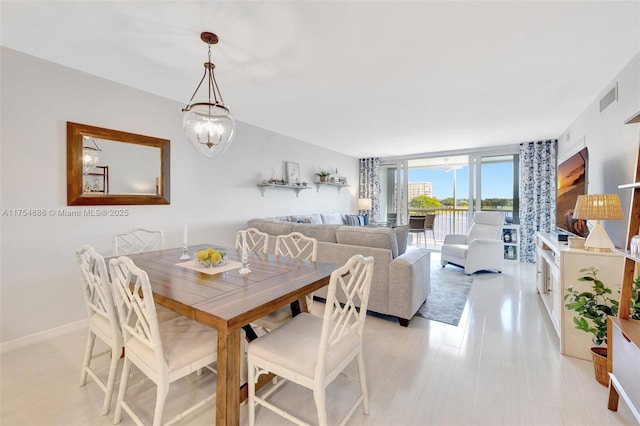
<point x="497" y="181"/>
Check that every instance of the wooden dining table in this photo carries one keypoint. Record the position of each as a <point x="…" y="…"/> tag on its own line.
<point x="229" y="301"/>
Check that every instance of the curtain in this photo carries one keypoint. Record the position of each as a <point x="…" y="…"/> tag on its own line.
<point x="370" y="185"/>
<point x="537" y="194"/>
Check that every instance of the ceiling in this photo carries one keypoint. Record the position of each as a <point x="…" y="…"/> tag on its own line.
<point x="365" y="78"/>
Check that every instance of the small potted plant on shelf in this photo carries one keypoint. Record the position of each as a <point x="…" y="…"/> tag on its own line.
<point x="592" y="308"/>
<point x="634" y="307"/>
<point x="323" y="174"/>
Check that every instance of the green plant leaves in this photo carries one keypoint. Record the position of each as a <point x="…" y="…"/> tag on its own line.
<point x="592" y="307"/>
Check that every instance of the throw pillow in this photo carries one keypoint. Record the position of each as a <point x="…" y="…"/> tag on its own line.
<point x="353" y="220"/>
<point x="316" y="218"/>
<point x="332" y="218"/>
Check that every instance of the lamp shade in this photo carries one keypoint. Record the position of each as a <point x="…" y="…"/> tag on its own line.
<point x="598" y="207"/>
<point x="364" y="203"/>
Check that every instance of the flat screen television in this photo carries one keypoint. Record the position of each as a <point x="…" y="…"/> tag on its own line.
<point x="572" y="181"/>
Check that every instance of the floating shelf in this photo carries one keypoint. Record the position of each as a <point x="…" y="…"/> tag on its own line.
<point x="629" y="185"/>
<point x="297" y="188"/>
<point x="337" y="185"/>
<point x="633" y="119"/>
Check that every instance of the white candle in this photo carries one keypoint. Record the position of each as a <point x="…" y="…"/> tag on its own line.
<point x="244" y="244"/>
<point x="184" y="235"/>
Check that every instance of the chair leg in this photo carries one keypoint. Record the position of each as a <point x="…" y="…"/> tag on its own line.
<point x="319" y="397"/>
<point x="251" y="379"/>
<point x="111" y="379"/>
<point x="363" y="383"/>
<point x="91" y="340"/>
<point x="124" y="379"/>
<point x="162" y="391"/>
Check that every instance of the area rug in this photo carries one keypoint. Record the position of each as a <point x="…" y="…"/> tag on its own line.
<point x="449" y="292"/>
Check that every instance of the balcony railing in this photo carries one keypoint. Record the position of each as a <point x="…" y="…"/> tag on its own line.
<point x="449" y="220"/>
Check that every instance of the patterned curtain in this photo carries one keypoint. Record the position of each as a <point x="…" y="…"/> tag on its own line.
<point x="370" y="185"/>
<point x="537" y="194"/>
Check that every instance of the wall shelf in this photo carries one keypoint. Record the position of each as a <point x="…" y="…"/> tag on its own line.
<point x="337" y="185"/>
<point x="297" y="188"/>
<point x="510" y="234"/>
<point x="623" y="332"/>
<point x="629" y="185"/>
<point x="633" y="119"/>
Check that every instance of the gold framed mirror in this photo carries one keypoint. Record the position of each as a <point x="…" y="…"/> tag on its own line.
<point x="110" y="167"/>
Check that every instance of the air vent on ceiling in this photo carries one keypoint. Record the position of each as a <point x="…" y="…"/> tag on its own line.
<point x="609" y="98"/>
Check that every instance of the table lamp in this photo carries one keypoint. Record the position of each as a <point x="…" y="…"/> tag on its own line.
<point x="598" y="207"/>
<point x="364" y="204"/>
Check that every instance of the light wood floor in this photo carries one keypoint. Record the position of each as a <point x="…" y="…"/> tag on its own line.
<point x="500" y="366"/>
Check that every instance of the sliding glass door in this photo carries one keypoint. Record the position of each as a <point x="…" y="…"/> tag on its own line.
<point x="393" y="187"/>
<point x="451" y="187"/>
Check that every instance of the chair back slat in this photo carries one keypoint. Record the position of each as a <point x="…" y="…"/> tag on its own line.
<point x="297" y="245"/>
<point x="136" y="307"/>
<point x="138" y="240"/>
<point x="343" y="320"/>
<point x="96" y="287"/>
<point x="256" y="241"/>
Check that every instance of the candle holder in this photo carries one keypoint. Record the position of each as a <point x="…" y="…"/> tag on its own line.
<point x="185" y="255"/>
<point x="244" y="268"/>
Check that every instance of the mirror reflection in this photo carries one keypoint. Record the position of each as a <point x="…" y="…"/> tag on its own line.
<point x="112" y="167"/>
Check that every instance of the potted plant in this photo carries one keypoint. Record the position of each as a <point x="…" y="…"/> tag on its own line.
<point x="592" y="308"/>
<point x="323" y="174"/>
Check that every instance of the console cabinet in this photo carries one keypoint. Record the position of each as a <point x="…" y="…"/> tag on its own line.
<point x="557" y="268"/>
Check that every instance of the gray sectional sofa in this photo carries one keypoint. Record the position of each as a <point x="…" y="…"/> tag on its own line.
<point x="401" y="279"/>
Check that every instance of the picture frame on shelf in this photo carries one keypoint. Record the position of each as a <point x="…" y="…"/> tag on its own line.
<point x="341" y="180"/>
<point x="509" y="236"/>
<point x="293" y="173"/>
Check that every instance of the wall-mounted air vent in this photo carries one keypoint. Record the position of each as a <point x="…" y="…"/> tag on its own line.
<point x="609" y="98"/>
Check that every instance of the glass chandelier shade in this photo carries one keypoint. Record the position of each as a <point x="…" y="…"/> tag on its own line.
<point x="207" y="123"/>
<point x="90" y="155"/>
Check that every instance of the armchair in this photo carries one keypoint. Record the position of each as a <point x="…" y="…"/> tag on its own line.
<point x="481" y="249"/>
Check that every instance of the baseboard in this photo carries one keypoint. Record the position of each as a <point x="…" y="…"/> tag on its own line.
<point x="43" y="336"/>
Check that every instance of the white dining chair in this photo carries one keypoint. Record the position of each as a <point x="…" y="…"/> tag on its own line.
<point x="298" y="246"/>
<point x="103" y="321"/>
<point x="164" y="352"/>
<point x="312" y="351"/>
<point x="138" y="240"/>
<point x="257" y="241"/>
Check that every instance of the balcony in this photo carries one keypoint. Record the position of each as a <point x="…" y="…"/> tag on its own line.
<point x="450" y="220"/>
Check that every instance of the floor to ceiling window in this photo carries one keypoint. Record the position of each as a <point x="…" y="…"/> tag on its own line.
<point x="498" y="187"/>
<point x="393" y="197"/>
<point x="451" y="187"/>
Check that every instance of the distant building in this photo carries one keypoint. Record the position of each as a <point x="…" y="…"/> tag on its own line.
<point x="419" y="188"/>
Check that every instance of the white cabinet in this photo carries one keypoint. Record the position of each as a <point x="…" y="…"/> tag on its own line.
<point x="558" y="267"/>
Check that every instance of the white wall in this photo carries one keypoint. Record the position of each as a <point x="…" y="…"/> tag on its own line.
<point x="39" y="285"/>
<point x="613" y="146"/>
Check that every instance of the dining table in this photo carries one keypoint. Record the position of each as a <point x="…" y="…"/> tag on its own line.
<point x="229" y="301"/>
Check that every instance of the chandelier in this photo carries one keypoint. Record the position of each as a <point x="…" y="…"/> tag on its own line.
<point x="207" y="123"/>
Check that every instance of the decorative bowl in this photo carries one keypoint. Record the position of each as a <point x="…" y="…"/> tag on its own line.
<point x="210" y="257"/>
